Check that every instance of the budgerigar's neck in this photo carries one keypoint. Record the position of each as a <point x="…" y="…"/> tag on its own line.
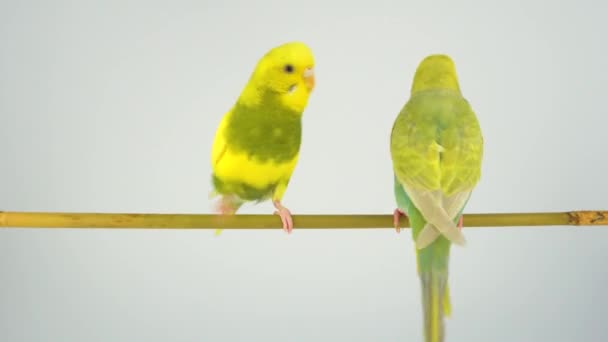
<point x="435" y="81"/>
<point x="265" y="102"/>
<point x="266" y="109"/>
<point x="436" y="72"/>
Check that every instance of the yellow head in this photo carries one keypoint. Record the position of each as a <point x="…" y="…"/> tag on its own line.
<point x="436" y="72"/>
<point x="285" y="74"/>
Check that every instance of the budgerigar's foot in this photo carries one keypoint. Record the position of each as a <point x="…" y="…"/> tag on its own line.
<point x="225" y="206"/>
<point x="285" y="215"/>
<point x="396" y="216"/>
<point x="460" y="222"/>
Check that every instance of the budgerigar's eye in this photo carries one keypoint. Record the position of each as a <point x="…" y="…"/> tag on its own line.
<point x="288" y="68"/>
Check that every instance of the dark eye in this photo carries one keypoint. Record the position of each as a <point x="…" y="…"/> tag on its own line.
<point x="288" y="68"/>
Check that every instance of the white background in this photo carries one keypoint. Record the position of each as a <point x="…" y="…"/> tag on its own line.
<point x="111" y="107"/>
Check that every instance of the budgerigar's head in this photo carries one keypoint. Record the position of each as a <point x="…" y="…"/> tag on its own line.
<point x="435" y="72"/>
<point x="285" y="74"/>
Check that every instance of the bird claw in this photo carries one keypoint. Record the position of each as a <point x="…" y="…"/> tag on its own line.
<point x="225" y="206"/>
<point x="286" y="218"/>
<point x="460" y="222"/>
<point x="396" y="216"/>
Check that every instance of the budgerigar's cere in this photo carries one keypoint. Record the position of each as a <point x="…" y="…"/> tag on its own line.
<point x="436" y="148"/>
<point x="257" y="143"/>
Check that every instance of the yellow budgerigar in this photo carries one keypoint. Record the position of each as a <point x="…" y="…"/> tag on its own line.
<point x="257" y="143"/>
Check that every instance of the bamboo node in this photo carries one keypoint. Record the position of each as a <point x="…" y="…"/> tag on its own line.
<point x="588" y="217"/>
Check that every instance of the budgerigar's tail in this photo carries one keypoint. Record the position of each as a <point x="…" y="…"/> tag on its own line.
<point x="433" y="273"/>
<point x="432" y="262"/>
<point x="435" y="304"/>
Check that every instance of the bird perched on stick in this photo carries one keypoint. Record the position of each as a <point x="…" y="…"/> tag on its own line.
<point x="436" y="148"/>
<point x="256" y="146"/>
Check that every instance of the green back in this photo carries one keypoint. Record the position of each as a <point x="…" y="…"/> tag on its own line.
<point x="431" y="120"/>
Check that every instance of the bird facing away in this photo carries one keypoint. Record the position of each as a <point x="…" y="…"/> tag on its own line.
<point x="436" y="148"/>
<point x="256" y="146"/>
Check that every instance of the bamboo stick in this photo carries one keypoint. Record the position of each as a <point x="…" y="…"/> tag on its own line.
<point x="191" y="221"/>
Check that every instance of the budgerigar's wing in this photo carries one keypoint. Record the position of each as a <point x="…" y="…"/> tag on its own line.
<point x="416" y="159"/>
<point x="219" y="142"/>
<point x="437" y="165"/>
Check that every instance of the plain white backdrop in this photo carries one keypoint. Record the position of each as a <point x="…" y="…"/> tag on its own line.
<point x="111" y="107"/>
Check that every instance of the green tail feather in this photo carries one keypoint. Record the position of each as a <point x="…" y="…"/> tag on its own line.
<point x="433" y="273"/>
<point x="432" y="263"/>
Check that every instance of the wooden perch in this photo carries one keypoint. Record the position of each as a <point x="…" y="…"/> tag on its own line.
<point x="190" y="221"/>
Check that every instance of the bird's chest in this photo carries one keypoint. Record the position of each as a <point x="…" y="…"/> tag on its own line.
<point x="266" y="137"/>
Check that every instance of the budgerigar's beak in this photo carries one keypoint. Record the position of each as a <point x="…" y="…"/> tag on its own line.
<point x="309" y="78"/>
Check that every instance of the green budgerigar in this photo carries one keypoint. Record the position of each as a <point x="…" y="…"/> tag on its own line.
<point x="437" y="149"/>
